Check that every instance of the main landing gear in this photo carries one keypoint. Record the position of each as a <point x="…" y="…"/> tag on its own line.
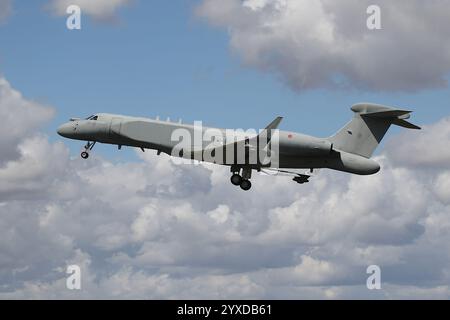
<point x="242" y="181"/>
<point x="88" y="147"/>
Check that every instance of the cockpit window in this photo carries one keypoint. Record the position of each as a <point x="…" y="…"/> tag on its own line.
<point x="93" y="117"/>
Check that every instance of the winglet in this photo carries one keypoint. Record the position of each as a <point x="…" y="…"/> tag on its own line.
<point x="267" y="132"/>
<point x="274" y="124"/>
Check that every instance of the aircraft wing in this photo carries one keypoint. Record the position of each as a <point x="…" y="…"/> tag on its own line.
<point x="251" y="143"/>
<point x="266" y="133"/>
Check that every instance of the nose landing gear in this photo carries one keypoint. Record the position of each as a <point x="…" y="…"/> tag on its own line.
<point x="88" y="147"/>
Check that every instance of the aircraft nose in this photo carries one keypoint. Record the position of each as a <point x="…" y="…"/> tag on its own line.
<point x="65" y="130"/>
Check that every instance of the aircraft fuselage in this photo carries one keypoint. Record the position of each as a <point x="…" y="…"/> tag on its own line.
<point x="283" y="152"/>
<point x="295" y="150"/>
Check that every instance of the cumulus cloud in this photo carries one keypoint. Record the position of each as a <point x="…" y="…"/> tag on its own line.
<point x="326" y="43"/>
<point x="429" y="148"/>
<point x="5" y="9"/>
<point x="154" y="229"/>
<point x="20" y="118"/>
<point x="99" y="9"/>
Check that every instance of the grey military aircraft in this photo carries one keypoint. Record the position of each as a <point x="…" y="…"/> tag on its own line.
<point x="271" y="151"/>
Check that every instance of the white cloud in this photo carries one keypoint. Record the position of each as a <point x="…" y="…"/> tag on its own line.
<point x="425" y="148"/>
<point x="325" y="43"/>
<point x="152" y="229"/>
<point x="19" y="117"/>
<point x="313" y="271"/>
<point x="99" y="9"/>
<point x="442" y="187"/>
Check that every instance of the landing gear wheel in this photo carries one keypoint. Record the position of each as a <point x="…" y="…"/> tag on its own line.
<point x="246" y="185"/>
<point x="236" y="179"/>
<point x="84" y="155"/>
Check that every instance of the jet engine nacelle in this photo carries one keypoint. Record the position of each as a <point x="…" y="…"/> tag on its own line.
<point x="353" y="163"/>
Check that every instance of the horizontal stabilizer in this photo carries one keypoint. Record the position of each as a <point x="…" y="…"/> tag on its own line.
<point x="405" y="124"/>
<point x="395" y="116"/>
<point x="387" y="114"/>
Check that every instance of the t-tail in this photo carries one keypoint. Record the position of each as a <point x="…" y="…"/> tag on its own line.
<point x="365" y="131"/>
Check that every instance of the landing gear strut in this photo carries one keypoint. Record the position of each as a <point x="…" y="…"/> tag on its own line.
<point x="242" y="181"/>
<point x="88" y="147"/>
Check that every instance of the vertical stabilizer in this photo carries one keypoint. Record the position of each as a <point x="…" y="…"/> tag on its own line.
<point x="365" y="131"/>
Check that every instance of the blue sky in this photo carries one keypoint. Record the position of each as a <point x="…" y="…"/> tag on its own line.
<point x="159" y="58"/>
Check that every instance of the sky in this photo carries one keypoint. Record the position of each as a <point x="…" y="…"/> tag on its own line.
<point x="142" y="227"/>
